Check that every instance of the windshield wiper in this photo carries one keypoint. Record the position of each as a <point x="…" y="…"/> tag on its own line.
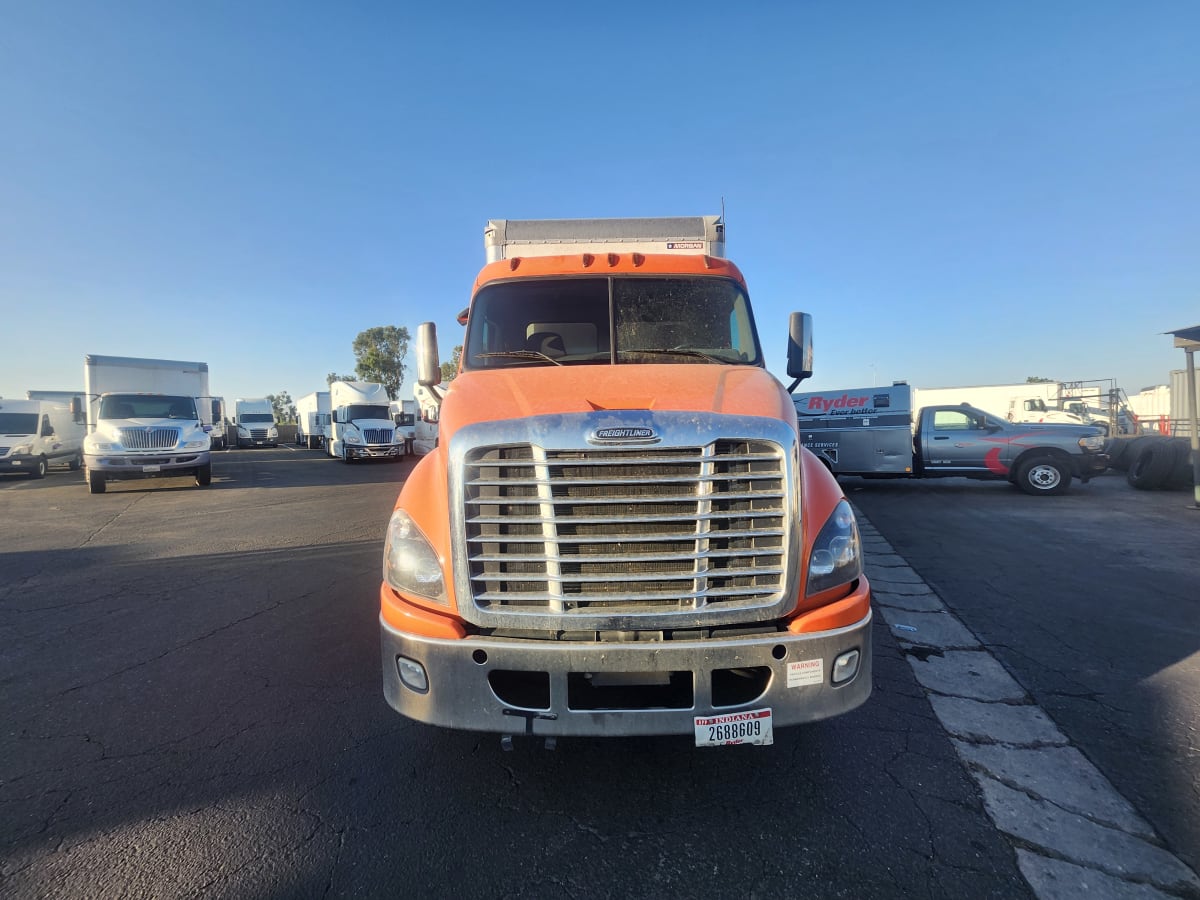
<point x="681" y="351"/>
<point x="517" y="354"/>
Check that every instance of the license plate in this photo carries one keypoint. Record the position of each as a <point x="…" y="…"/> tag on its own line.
<point x="151" y="468"/>
<point x="751" y="727"/>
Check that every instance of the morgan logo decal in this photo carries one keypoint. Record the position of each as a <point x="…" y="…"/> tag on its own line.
<point x="624" y="435"/>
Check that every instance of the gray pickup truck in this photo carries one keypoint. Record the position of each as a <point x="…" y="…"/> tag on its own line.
<point x="871" y="432"/>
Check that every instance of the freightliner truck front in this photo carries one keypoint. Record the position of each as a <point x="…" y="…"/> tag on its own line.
<point x="618" y="531"/>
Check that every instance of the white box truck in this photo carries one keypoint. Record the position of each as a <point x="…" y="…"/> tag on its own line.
<point x="212" y="414"/>
<point x="143" y="420"/>
<point x="312" y="418"/>
<point x="35" y="434"/>
<point x="360" y="423"/>
<point x="429" y="403"/>
<point x="255" y="419"/>
<point x="404" y="414"/>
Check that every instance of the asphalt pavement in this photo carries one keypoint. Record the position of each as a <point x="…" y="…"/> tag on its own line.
<point x="192" y="707"/>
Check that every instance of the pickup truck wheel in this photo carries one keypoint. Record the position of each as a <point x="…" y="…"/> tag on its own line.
<point x="95" y="482"/>
<point x="1043" y="475"/>
<point x="204" y="475"/>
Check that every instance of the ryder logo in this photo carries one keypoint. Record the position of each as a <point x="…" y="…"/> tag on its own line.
<point x="820" y="404"/>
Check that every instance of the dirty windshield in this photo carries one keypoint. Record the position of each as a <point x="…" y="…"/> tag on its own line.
<point x="579" y="321"/>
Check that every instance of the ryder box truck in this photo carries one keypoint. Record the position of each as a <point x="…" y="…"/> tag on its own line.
<point x="618" y="531"/>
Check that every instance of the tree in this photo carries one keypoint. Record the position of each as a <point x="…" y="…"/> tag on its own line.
<point x="380" y="353"/>
<point x="450" y="369"/>
<point x="334" y="376"/>
<point x="285" y="409"/>
<point x="1038" y="379"/>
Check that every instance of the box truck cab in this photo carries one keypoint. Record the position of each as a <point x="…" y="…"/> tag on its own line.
<point x="255" y="420"/>
<point x="312" y="418"/>
<point x="143" y="420"/>
<point x="36" y="434"/>
<point x="360" y="424"/>
<point x="619" y="532"/>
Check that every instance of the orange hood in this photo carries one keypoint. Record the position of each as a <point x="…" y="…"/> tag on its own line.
<point x="482" y="396"/>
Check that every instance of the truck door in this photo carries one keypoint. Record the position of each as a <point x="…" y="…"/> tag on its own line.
<point x="957" y="439"/>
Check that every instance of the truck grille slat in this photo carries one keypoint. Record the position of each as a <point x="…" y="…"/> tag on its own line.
<point x="614" y="498"/>
<point x="599" y="540"/>
<point x="589" y="534"/>
<point x="625" y="558"/>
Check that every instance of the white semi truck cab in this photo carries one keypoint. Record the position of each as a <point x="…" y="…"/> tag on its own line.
<point x="360" y="425"/>
<point x="255" y="420"/>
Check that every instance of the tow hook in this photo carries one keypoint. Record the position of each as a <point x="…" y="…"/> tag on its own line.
<point x="506" y="740"/>
<point x="507" y="744"/>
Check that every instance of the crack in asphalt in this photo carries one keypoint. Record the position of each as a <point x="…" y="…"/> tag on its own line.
<point x="185" y="645"/>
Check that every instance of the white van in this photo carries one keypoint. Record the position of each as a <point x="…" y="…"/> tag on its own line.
<point x="35" y="434"/>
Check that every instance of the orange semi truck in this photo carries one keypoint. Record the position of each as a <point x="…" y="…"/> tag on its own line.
<point x="618" y="531"/>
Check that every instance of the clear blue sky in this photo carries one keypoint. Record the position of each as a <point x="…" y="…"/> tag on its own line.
<point x="960" y="193"/>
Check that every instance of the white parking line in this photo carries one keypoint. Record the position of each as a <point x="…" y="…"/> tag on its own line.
<point x="1075" y="836"/>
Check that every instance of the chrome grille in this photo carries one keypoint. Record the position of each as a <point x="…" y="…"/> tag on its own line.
<point x="149" y="438"/>
<point x="377" y="435"/>
<point x="586" y="534"/>
<point x="258" y="434"/>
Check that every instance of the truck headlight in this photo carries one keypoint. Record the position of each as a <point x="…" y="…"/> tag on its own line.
<point x="243" y="432"/>
<point x="273" y="432"/>
<point x="410" y="564"/>
<point x="837" y="551"/>
<point x="22" y="450"/>
<point x="353" y="438"/>
<point x="1092" y="442"/>
<point x="196" y="445"/>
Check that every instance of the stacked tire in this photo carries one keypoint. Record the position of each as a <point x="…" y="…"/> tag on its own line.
<point x="1154" y="462"/>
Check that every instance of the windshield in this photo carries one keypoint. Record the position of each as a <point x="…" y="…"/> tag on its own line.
<point x="367" y="411"/>
<point x="18" y="423"/>
<point x="258" y="417"/>
<point x="573" y="321"/>
<point x="147" y="406"/>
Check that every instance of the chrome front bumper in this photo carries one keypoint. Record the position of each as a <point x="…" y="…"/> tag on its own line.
<point x="167" y="464"/>
<point x="464" y="676"/>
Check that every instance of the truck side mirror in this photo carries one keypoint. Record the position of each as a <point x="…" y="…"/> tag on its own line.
<point x="77" y="410"/>
<point x="800" y="348"/>
<point x="429" y="370"/>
